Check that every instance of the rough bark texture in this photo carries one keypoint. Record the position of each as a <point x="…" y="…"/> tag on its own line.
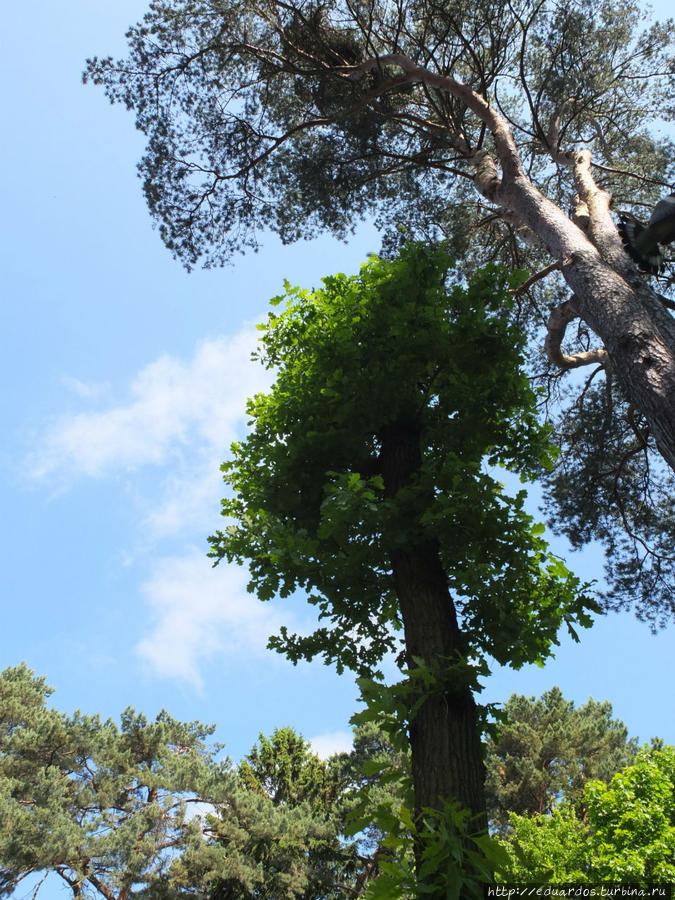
<point x="639" y="336"/>
<point x="444" y="735"/>
<point x="610" y="295"/>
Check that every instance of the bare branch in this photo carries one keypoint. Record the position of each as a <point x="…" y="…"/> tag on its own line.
<point x="640" y="435"/>
<point x="542" y="273"/>
<point x="558" y="321"/>
<point x="40" y="883"/>
<point x="627" y="174"/>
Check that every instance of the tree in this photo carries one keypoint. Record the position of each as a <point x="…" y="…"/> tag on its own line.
<point x="105" y="808"/>
<point x="347" y="787"/>
<point x="508" y="128"/>
<point x="363" y="483"/>
<point x="145" y="810"/>
<point x="293" y="811"/>
<point x="283" y="768"/>
<point x="547" y="750"/>
<point x="627" y="834"/>
<point x="605" y="488"/>
<point x="302" y="116"/>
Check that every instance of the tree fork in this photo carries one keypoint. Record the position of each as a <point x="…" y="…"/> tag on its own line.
<point x="611" y="297"/>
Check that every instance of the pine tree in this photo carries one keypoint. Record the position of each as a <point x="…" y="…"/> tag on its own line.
<point x="519" y="132"/>
<point x="547" y="750"/>
<point x="146" y="809"/>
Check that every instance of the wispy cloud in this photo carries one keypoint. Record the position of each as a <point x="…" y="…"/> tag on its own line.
<point x="325" y="745"/>
<point x="86" y="390"/>
<point x="169" y="436"/>
<point x="198" y="612"/>
<point x="173" y="406"/>
<point x="179" y="418"/>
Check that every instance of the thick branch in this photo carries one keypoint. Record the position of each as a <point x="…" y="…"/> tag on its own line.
<point x="601" y="227"/>
<point x="558" y="321"/>
<point x="512" y="167"/>
<point x="100" y="887"/>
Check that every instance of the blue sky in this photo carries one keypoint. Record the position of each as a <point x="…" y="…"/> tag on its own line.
<point x="123" y="383"/>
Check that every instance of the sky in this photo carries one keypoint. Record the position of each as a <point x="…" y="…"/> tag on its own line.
<point x="123" y="383"/>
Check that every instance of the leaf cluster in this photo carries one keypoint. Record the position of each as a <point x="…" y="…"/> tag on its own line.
<point x="627" y="834"/>
<point x="607" y="486"/>
<point x="396" y="345"/>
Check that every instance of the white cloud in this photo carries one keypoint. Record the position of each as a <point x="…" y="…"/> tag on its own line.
<point x="174" y="408"/>
<point x="325" y="745"/>
<point x="86" y="390"/>
<point x="180" y="418"/>
<point x="201" y="809"/>
<point x="190" y="497"/>
<point x="199" y="612"/>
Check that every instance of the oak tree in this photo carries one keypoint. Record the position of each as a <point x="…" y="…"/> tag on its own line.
<point x="365" y="481"/>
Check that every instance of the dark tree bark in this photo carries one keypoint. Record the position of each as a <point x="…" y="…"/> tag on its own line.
<point x="444" y="735"/>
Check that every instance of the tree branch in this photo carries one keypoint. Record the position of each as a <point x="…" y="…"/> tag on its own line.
<point x="542" y="273"/>
<point x="512" y="167"/>
<point x="558" y="321"/>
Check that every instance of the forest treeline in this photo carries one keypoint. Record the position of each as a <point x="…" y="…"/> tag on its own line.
<point x="151" y="808"/>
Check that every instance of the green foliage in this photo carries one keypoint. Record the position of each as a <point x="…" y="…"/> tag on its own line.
<point x="626" y="835"/>
<point x="254" y="121"/>
<point x="236" y="93"/>
<point x="289" y="819"/>
<point x="309" y="510"/>
<point x="547" y="849"/>
<point x="283" y="768"/>
<point x="633" y="820"/>
<point x="438" y="853"/>
<point x="105" y="807"/>
<point x="145" y="810"/>
<point x="264" y="850"/>
<point x="546" y="750"/>
<point x="454" y="862"/>
<point x="603" y="490"/>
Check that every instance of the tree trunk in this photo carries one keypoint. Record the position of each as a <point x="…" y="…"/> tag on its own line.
<point x="609" y="294"/>
<point x="445" y="740"/>
<point x="612" y="298"/>
<point x="639" y="336"/>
